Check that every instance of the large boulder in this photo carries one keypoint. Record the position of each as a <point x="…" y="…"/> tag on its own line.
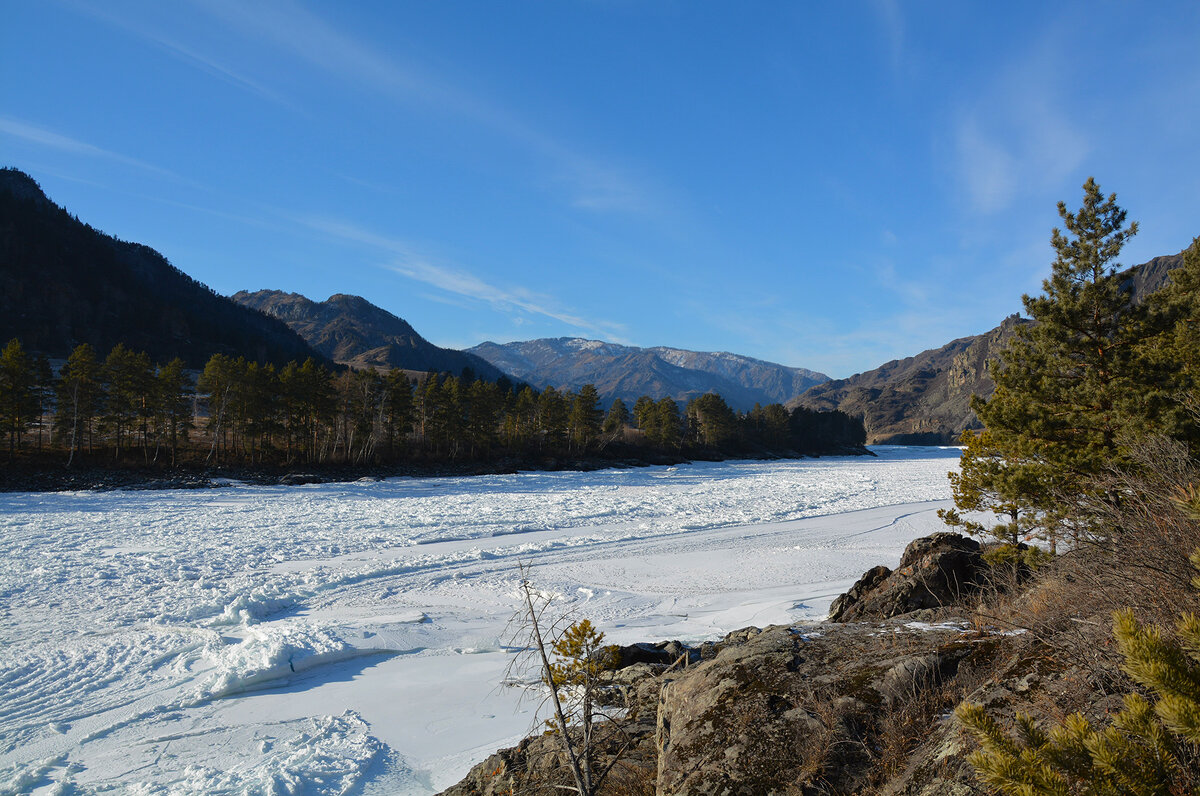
<point x="799" y="710"/>
<point x="782" y="710"/>
<point x="936" y="571"/>
<point x="663" y="653"/>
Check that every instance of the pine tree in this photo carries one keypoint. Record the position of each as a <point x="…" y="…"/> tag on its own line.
<point x="616" y="418"/>
<point x="1146" y="750"/>
<point x="173" y="417"/>
<point x="776" y="425"/>
<point x="306" y="404"/>
<point x="1176" y="351"/>
<point x="484" y="406"/>
<point x="645" y="416"/>
<point x="670" y="423"/>
<point x="399" y="407"/>
<point x="427" y="396"/>
<point x="217" y="383"/>
<point x="712" y="419"/>
<point x="987" y="483"/>
<point x="1071" y="386"/>
<point x="552" y="417"/>
<point x="18" y="392"/>
<point x="129" y="384"/>
<point x="521" y="418"/>
<point x="585" y="417"/>
<point x="258" y="412"/>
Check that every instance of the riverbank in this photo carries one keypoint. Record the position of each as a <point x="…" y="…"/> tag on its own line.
<point x="43" y="473"/>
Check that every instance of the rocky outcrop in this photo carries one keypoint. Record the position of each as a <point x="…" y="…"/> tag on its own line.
<point x="926" y="399"/>
<point x="867" y="584"/>
<point x="786" y="709"/>
<point x="935" y="572"/>
<point x="663" y="653"/>
<point x="538" y="764"/>
<point x="831" y="708"/>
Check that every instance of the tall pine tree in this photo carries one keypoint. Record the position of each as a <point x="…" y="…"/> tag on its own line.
<point x="19" y="402"/>
<point x="1071" y="387"/>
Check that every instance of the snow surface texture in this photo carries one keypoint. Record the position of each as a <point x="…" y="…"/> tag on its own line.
<point x="350" y="638"/>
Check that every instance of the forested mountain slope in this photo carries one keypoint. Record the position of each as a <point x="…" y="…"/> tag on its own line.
<point x="925" y="399"/>
<point x="353" y="331"/>
<point x="63" y="283"/>
<point x="627" y="372"/>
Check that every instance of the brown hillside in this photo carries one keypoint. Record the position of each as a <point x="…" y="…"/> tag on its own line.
<point x="926" y="399"/>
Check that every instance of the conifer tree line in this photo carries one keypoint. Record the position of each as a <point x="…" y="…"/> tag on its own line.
<point x="1082" y="394"/>
<point x="124" y="408"/>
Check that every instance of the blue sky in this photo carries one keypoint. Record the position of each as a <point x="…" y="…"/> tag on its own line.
<point x="824" y="185"/>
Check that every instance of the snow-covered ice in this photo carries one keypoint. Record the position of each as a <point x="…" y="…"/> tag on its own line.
<point x="348" y="638"/>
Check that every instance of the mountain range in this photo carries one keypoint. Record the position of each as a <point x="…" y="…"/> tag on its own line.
<point x="627" y="372"/>
<point x="63" y="283"/>
<point x="352" y="331"/>
<point x="926" y="399"/>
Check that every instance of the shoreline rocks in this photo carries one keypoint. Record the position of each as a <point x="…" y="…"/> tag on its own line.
<point x="856" y="705"/>
<point x="935" y="572"/>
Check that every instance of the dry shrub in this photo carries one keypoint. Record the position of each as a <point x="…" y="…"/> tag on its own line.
<point x="1131" y="548"/>
<point x="902" y="729"/>
<point x="628" y="779"/>
<point x="907" y="724"/>
<point x="1134" y="552"/>
<point x="824" y="747"/>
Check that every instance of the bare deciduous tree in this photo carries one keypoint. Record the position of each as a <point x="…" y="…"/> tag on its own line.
<point x="573" y="667"/>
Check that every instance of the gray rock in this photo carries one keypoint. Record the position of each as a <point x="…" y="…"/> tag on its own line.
<point x="297" y="479"/>
<point x="937" y="571"/>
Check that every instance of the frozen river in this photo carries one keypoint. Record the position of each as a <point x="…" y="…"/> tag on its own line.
<point x="348" y="638"/>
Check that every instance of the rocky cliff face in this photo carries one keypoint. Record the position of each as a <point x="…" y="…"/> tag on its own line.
<point x="926" y="399"/>
<point x="626" y="372"/>
<point x="352" y="331"/>
<point x="922" y="400"/>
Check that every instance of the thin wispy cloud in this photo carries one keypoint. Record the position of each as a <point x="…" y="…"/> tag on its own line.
<point x="190" y="55"/>
<point x="408" y="262"/>
<point x="910" y="291"/>
<point x="40" y="136"/>
<point x="891" y="19"/>
<point x="988" y="170"/>
<point x="1019" y="134"/>
<point x="606" y="188"/>
<point x="593" y="185"/>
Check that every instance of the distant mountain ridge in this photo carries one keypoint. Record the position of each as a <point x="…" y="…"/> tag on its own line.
<point x="926" y="399"/>
<point x="63" y="283"/>
<point x="352" y="331"/>
<point x="627" y="372"/>
<point x="920" y="400"/>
